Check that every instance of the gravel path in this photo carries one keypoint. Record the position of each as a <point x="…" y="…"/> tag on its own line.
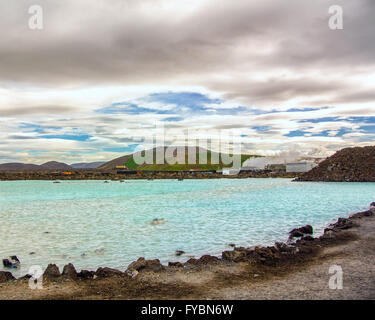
<point x="356" y="258"/>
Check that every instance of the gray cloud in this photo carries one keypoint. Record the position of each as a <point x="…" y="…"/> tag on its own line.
<point x="277" y="89"/>
<point x="35" y="110"/>
<point x="20" y="137"/>
<point x="121" y="42"/>
<point x="261" y="56"/>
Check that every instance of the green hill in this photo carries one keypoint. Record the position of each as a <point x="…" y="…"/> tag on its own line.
<point x="130" y="163"/>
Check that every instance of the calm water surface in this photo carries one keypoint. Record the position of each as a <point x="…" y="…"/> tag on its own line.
<point x="92" y="224"/>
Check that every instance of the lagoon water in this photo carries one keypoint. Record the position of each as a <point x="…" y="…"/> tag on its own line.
<point x="93" y="224"/>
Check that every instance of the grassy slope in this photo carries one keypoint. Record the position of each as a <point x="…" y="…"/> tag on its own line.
<point x="181" y="167"/>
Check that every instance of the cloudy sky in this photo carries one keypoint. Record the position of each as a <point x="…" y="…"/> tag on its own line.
<point x="102" y="75"/>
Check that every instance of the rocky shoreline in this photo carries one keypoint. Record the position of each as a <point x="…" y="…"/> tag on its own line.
<point x="281" y="255"/>
<point x="113" y="175"/>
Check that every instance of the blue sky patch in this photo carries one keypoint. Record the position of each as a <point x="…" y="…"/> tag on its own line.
<point x="191" y="100"/>
<point x="367" y="129"/>
<point x="305" y="109"/>
<point x="296" y="133"/>
<point x="261" y="129"/>
<point x="338" y="119"/>
<point x="325" y="133"/>
<point x="130" y="148"/>
<point x="173" y="119"/>
<point x="31" y="127"/>
<point x="74" y="137"/>
<point x="180" y="102"/>
<point x="129" y="108"/>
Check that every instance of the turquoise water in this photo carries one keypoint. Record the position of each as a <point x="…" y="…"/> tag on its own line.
<point x="92" y="224"/>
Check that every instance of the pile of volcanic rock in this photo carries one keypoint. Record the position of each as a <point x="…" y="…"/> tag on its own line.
<point x="349" y="164"/>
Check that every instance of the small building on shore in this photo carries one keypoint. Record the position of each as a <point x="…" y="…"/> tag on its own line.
<point x="123" y="167"/>
<point x="277" y="167"/>
<point x="302" y="166"/>
<point x="230" y="171"/>
<point x="192" y="171"/>
<point x="251" y="169"/>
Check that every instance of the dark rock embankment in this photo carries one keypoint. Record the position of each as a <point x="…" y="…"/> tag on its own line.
<point x="347" y="165"/>
<point x="86" y="174"/>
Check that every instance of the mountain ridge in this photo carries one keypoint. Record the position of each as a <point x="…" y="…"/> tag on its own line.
<point x="129" y="162"/>
<point x="47" y="166"/>
<point x="87" y="165"/>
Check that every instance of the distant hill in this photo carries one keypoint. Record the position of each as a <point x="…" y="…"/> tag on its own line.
<point x="54" y="165"/>
<point x="349" y="164"/>
<point x="129" y="162"/>
<point x="48" y="166"/>
<point x="18" y="167"/>
<point x="87" y="165"/>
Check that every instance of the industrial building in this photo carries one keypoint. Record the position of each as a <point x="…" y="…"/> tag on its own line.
<point x="251" y="169"/>
<point x="230" y="171"/>
<point x="277" y="167"/>
<point x="302" y="166"/>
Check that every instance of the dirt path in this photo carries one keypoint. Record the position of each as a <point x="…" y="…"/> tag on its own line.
<point x="356" y="258"/>
<point x="307" y="279"/>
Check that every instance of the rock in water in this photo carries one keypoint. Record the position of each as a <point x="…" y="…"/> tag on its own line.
<point x="372" y="208"/>
<point x="52" y="272"/>
<point x="11" y="262"/>
<point x="342" y="224"/>
<point x="158" y="221"/>
<point x="236" y="255"/>
<point x="283" y="247"/>
<point x="145" y="265"/>
<point x="70" y="271"/>
<point x="25" y="277"/>
<point x="179" y="253"/>
<point x="207" y="259"/>
<point x="6" y="276"/>
<point x="175" y="264"/>
<point x="295" y="234"/>
<point x="86" y="274"/>
<point x="307" y="229"/>
<point x="108" y="272"/>
<point x="99" y="251"/>
<point x="300" y="232"/>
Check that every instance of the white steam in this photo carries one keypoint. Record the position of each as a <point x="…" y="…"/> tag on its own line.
<point x="282" y="157"/>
